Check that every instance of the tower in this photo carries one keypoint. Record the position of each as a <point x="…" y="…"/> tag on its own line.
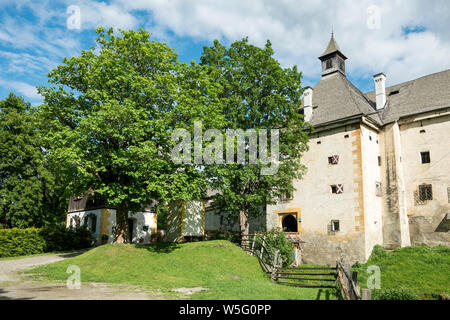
<point x="333" y="60"/>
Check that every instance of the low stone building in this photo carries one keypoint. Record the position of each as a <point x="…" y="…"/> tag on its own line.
<point x="378" y="166"/>
<point x="101" y="220"/>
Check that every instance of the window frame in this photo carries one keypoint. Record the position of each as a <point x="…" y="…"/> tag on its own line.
<point x="426" y="192"/>
<point x="425" y="157"/>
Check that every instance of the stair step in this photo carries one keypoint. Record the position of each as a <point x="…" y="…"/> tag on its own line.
<point x="307" y="274"/>
<point x="313" y="268"/>
<point x="311" y="279"/>
<point x="305" y="285"/>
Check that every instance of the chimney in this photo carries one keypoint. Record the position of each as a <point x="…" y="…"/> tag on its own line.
<point x="380" y="90"/>
<point x="307" y="101"/>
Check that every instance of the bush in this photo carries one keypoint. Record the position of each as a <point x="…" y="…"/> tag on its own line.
<point x="276" y="239"/>
<point x="58" y="238"/>
<point x="19" y="242"/>
<point x="394" y="294"/>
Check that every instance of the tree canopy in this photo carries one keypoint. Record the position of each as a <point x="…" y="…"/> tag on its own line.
<point x="29" y="196"/>
<point x="259" y="94"/>
<point x="109" y="115"/>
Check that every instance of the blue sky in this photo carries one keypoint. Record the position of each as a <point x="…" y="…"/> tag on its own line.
<point x="405" y="39"/>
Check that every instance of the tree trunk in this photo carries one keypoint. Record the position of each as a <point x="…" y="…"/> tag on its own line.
<point x="122" y="233"/>
<point x="243" y="221"/>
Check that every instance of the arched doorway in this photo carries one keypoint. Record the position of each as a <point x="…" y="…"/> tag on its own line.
<point x="289" y="224"/>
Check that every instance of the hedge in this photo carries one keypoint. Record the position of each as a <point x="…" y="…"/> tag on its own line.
<point x="19" y="242"/>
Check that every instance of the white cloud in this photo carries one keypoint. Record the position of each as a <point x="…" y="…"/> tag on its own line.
<point x="300" y="30"/>
<point x="23" y="88"/>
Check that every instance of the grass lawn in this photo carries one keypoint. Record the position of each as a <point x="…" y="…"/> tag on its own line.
<point x="222" y="267"/>
<point x="425" y="270"/>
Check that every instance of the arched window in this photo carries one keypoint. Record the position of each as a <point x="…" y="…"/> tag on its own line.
<point x="289" y="224"/>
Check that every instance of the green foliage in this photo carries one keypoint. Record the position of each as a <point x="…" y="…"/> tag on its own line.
<point x="421" y="269"/>
<point x="258" y="94"/>
<point x="29" y="190"/>
<point x="162" y="211"/>
<point x="59" y="238"/>
<point x="109" y="115"/>
<point x="394" y="294"/>
<point x="224" y="269"/>
<point x="276" y="239"/>
<point x="19" y="242"/>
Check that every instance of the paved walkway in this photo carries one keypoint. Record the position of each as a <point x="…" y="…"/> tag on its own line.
<point x="15" y="286"/>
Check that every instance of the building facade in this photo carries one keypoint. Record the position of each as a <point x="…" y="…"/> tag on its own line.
<point x="378" y="166"/>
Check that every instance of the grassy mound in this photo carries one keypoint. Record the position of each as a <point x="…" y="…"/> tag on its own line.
<point x="421" y="270"/>
<point x="222" y="267"/>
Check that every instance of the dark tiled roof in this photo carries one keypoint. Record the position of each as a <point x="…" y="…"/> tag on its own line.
<point x="331" y="48"/>
<point x="336" y="98"/>
<point x="424" y="94"/>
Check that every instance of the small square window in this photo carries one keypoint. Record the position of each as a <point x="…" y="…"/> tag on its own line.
<point x="335" y="225"/>
<point x="378" y="189"/>
<point x="337" y="189"/>
<point x="334" y="160"/>
<point x="426" y="192"/>
<point x="425" y="156"/>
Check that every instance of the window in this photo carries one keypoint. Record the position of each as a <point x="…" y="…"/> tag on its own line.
<point x="333" y="160"/>
<point x="289" y="195"/>
<point x="341" y="65"/>
<point x="329" y="64"/>
<point x="337" y="189"/>
<point x="448" y="194"/>
<point x="378" y="189"/>
<point x="346" y="136"/>
<point x="425" y="192"/>
<point x="335" y="225"/>
<point x="379" y="161"/>
<point x="425" y="157"/>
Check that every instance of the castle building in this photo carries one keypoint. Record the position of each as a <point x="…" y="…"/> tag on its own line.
<point x="378" y="166"/>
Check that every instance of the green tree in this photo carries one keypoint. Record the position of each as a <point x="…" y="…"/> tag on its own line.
<point x="109" y="115"/>
<point x="259" y="94"/>
<point x="28" y="195"/>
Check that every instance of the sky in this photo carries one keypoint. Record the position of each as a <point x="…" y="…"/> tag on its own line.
<point x="405" y="39"/>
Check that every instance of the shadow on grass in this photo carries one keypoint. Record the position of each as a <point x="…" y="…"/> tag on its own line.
<point x="159" y="247"/>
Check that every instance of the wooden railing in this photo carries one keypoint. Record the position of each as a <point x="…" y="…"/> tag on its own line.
<point x="349" y="288"/>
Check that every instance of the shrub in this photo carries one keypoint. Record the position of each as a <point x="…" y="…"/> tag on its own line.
<point x="19" y="242"/>
<point x="394" y="294"/>
<point x="276" y="239"/>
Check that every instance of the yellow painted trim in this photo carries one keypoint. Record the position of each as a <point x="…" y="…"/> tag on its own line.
<point x="358" y="180"/>
<point x="297" y="213"/>
<point x="68" y="221"/>
<point x="104" y="223"/>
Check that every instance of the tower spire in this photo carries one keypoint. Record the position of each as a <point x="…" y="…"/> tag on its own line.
<point x="332" y="58"/>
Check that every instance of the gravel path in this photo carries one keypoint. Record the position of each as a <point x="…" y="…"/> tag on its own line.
<point x="15" y="286"/>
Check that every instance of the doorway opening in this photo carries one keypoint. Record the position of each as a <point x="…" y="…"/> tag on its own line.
<point x="130" y="229"/>
<point x="289" y="224"/>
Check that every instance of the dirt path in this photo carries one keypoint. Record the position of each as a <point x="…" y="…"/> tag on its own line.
<point x="15" y="286"/>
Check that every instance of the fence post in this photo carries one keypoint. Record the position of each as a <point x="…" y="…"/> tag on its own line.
<point x="366" y="294"/>
<point x="262" y="248"/>
<point x="253" y="245"/>
<point x="274" y="273"/>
